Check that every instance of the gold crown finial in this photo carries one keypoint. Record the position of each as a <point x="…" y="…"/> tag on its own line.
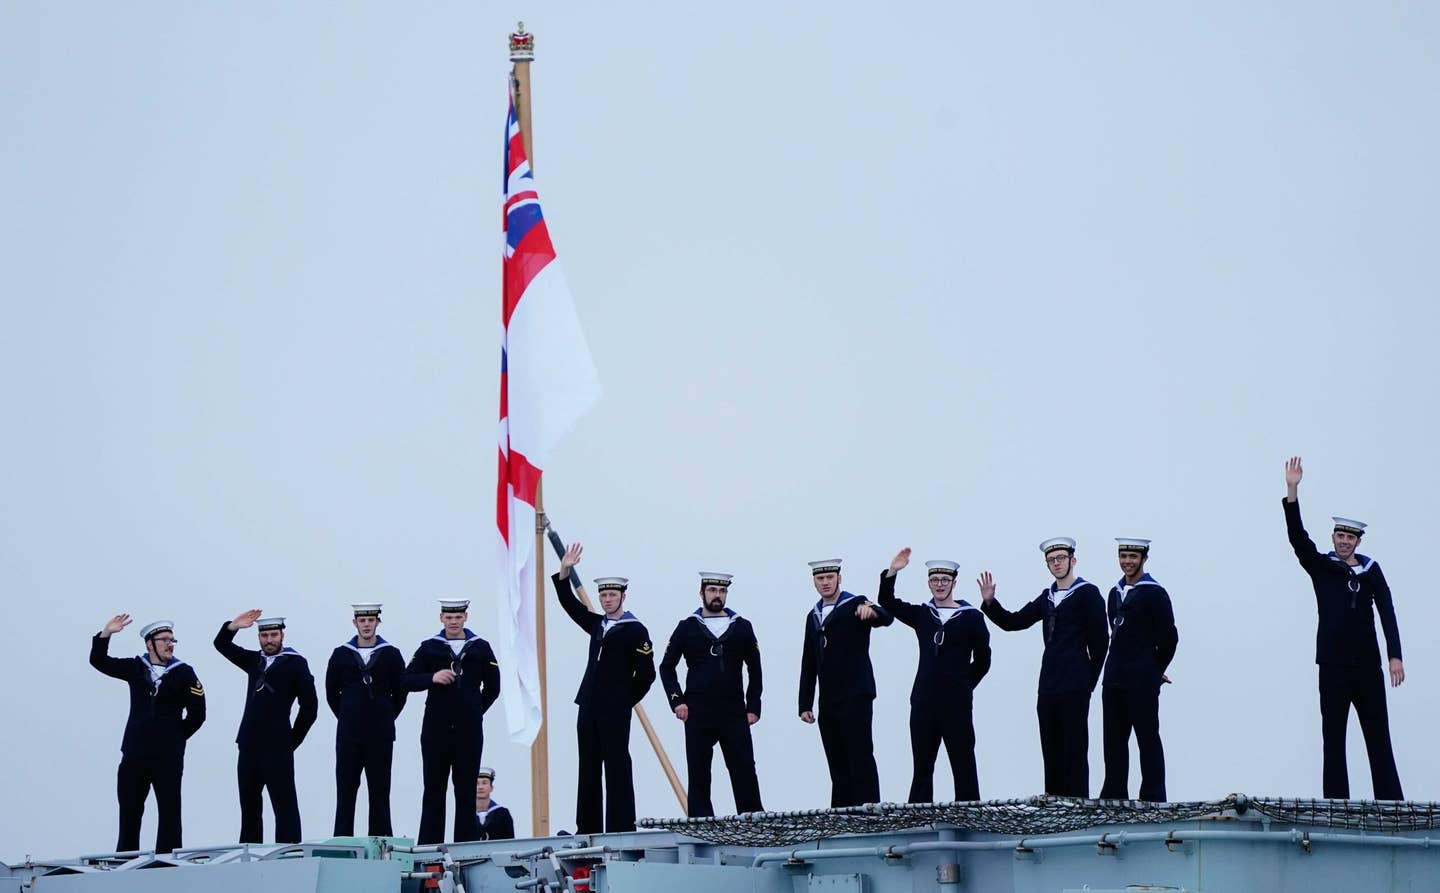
<point x="522" y="44"/>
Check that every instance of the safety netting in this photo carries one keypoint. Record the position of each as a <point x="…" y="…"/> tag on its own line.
<point x="1041" y="815"/>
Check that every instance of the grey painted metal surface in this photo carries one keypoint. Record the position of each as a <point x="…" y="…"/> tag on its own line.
<point x="1225" y="852"/>
<point x="286" y="875"/>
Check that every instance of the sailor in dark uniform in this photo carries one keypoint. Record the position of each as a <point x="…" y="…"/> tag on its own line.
<point x="715" y="705"/>
<point x="460" y="672"/>
<point x="1142" y="643"/>
<point x="619" y="670"/>
<point x="493" y="820"/>
<point x="277" y="676"/>
<point x="1347" y="585"/>
<point x="1071" y="612"/>
<point x="954" y="656"/>
<point x="167" y="706"/>
<point x="365" y="688"/>
<point x="836" y="655"/>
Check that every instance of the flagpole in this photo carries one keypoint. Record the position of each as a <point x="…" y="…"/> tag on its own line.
<point x="540" y="748"/>
<point x="522" y="52"/>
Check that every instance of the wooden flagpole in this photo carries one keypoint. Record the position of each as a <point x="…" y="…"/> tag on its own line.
<point x="540" y="748"/>
<point x="522" y="52"/>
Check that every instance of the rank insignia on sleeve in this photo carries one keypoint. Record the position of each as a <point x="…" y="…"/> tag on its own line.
<point x="645" y="649"/>
<point x="197" y="689"/>
<point x="493" y="664"/>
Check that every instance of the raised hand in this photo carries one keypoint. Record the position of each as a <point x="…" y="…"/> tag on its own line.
<point x="246" y="619"/>
<point x="1397" y="672"/>
<point x="1293" y="473"/>
<point x="571" y="557"/>
<point x="987" y="586"/>
<point x="900" y="561"/>
<point x="864" y="612"/>
<point x="114" y="625"/>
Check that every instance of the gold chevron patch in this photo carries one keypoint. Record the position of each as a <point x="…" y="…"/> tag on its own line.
<point x="646" y="649"/>
<point x="197" y="690"/>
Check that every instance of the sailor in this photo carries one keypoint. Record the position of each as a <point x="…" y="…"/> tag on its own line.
<point x="1142" y="643"/>
<point x="715" y="705"/>
<point x="954" y="656"/>
<point x="167" y="706"/>
<point x="619" y="670"/>
<point x="493" y="820"/>
<point x="1071" y="612"/>
<point x="459" y="670"/>
<point x="1347" y="585"/>
<point x="365" y="688"/>
<point x="836" y="654"/>
<point x="277" y="676"/>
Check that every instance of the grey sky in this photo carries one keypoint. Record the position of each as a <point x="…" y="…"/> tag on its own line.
<point x="953" y="276"/>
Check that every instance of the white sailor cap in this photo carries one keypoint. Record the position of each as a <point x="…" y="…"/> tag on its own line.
<point x="1059" y="542"/>
<point x="159" y="626"/>
<point x="825" y="566"/>
<point x="715" y="578"/>
<point x="604" y="583"/>
<point x="454" y="605"/>
<point x="265" y="624"/>
<point x="1130" y="544"/>
<point x="1349" y="525"/>
<point x="366" y="609"/>
<point x="947" y="568"/>
<point x="486" y="772"/>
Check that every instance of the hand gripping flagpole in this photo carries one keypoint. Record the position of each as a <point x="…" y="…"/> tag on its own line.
<point x="559" y="546"/>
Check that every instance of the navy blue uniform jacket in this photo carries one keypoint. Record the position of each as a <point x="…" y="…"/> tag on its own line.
<point x="365" y="697"/>
<point x="1344" y="596"/>
<point x="162" y="717"/>
<point x="621" y="664"/>
<point x="1143" y="635"/>
<point x="462" y="703"/>
<point x="948" y="671"/>
<point x="269" y="694"/>
<point x="498" y="824"/>
<point x="713" y="685"/>
<point x="836" y="653"/>
<point x="1076" y="635"/>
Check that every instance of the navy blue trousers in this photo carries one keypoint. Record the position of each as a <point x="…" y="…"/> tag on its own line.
<point x="1364" y="688"/>
<point x="1137" y="710"/>
<point x="271" y="768"/>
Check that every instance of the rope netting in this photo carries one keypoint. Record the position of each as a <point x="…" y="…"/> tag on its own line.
<point x="1355" y="815"/>
<point x="1040" y="815"/>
